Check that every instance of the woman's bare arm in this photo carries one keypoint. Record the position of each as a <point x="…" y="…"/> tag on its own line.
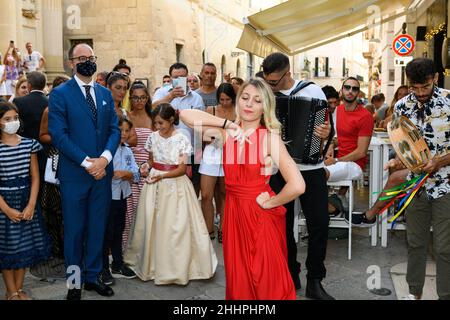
<point x="44" y="135"/>
<point x="295" y="185"/>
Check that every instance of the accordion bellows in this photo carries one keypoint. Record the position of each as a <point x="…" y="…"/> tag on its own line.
<point x="409" y="145"/>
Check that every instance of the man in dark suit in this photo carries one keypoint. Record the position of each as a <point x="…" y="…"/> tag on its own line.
<point x="84" y="128"/>
<point x="31" y="107"/>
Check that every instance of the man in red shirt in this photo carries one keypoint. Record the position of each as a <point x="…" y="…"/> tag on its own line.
<point x="354" y="126"/>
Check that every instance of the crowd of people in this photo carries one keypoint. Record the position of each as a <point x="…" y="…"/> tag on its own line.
<point x="107" y="176"/>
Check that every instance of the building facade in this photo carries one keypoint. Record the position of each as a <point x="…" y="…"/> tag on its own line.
<point x="149" y="34"/>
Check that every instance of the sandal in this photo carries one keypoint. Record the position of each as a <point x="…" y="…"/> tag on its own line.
<point x="14" y="296"/>
<point x="23" y="295"/>
<point x="212" y="235"/>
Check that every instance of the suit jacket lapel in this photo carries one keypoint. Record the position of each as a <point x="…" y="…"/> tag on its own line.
<point x="79" y="96"/>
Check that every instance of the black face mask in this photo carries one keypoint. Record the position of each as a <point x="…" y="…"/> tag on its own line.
<point x="87" y="69"/>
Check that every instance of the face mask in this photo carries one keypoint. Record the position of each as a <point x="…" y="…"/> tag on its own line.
<point x="87" y="69"/>
<point x="167" y="84"/>
<point x="11" y="127"/>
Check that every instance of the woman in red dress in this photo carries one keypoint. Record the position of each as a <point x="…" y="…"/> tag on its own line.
<point x="254" y="232"/>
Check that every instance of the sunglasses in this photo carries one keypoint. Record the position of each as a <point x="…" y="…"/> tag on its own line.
<point x="274" y="83"/>
<point x="348" y="88"/>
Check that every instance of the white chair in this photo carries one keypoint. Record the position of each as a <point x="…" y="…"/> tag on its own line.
<point x="340" y="222"/>
<point x="334" y="222"/>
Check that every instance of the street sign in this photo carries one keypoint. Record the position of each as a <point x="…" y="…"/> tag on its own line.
<point x="403" y="45"/>
<point x="402" y="61"/>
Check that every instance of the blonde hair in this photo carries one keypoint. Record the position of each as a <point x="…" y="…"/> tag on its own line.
<point x="18" y="84"/>
<point x="269" y="118"/>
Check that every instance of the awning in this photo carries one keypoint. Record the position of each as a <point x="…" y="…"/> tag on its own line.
<point x="300" y="25"/>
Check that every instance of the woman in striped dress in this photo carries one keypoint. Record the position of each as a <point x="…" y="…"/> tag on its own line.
<point x="140" y="103"/>
<point x="23" y="240"/>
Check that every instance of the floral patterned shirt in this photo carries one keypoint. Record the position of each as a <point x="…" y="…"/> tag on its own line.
<point x="433" y="121"/>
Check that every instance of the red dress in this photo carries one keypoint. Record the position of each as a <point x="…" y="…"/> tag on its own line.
<point x="254" y="239"/>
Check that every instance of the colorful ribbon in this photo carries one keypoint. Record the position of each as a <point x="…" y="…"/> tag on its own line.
<point x="406" y="192"/>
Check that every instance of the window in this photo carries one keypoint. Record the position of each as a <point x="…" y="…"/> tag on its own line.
<point x="391" y="74"/>
<point x="203" y="56"/>
<point x="321" y="67"/>
<point x="223" y="67"/>
<point x="344" y="68"/>
<point x="74" y="42"/>
<point x="238" y="68"/>
<point x="179" y="49"/>
<point x="249" y="66"/>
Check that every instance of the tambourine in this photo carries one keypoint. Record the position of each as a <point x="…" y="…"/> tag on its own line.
<point x="409" y="145"/>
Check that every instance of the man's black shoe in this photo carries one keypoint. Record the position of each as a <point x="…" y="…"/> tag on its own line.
<point x="296" y="280"/>
<point x="101" y="288"/>
<point x="106" y="277"/>
<point x="74" y="294"/>
<point x="314" y="290"/>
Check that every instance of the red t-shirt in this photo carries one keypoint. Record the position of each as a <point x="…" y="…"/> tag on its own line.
<point x="349" y="126"/>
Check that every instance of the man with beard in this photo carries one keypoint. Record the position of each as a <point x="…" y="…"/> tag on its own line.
<point x="354" y="127"/>
<point x="428" y="107"/>
<point x="276" y="72"/>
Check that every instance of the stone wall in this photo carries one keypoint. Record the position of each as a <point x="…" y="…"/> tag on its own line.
<point x="146" y="33"/>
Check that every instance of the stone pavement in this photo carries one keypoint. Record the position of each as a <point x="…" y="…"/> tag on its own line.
<point x="345" y="279"/>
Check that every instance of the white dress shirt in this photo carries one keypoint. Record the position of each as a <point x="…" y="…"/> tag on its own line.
<point x="106" y="154"/>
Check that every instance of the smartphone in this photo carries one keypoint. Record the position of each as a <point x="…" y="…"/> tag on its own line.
<point x="180" y="82"/>
<point x="11" y="43"/>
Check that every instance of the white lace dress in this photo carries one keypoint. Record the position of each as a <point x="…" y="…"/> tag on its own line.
<point x="168" y="240"/>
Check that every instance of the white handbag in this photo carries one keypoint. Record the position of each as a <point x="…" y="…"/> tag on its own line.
<point x="50" y="169"/>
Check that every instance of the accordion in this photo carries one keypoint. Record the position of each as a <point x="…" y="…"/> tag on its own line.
<point x="299" y="116"/>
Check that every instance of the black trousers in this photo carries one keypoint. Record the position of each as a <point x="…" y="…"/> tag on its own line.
<point x="314" y="204"/>
<point x="113" y="234"/>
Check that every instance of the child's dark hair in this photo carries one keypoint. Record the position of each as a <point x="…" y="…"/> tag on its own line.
<point x="123" y="120"/>
<point x="4" y="108"/>
<point x="166" y="111"/>
<point x="140" y="85"/>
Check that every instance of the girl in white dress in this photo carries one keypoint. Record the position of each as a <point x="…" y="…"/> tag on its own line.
<point x="168" y="240"/>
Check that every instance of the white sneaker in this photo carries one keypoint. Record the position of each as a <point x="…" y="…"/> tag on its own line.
<point x="410" y="297"/>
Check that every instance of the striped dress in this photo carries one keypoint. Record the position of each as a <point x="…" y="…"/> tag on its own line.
<point x="26" y="243"/>
<point x="141" y="155"/>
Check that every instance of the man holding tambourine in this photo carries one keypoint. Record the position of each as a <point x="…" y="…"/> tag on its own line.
<point x="428" y="108"/>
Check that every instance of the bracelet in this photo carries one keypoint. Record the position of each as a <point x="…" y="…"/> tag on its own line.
<point x="224" y="124"/>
